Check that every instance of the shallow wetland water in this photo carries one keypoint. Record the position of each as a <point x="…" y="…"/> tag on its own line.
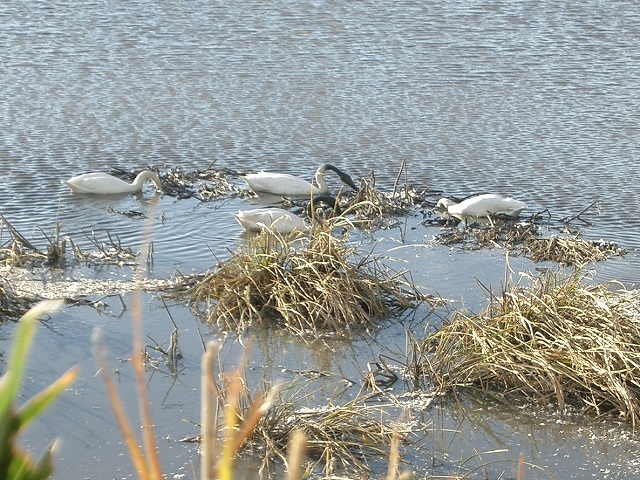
<point x="537" y="101"/>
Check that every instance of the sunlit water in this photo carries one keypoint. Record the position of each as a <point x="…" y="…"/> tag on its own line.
<point x="539" y="100"/>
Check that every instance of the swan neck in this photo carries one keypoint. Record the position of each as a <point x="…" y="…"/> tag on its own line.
<point x="319" y="177"/>
<point x="142" y="176"/>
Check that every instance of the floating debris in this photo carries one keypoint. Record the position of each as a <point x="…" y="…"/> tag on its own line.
<point x="127" y="213"/>
<point x="522" y="238"/>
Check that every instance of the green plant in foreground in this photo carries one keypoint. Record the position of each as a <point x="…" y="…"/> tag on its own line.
<point x="16" y="464"/>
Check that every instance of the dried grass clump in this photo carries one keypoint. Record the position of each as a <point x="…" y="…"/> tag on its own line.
<point x="205" y="185"/>
<point x="109" y="252"/>
<point x="306" y="284"/>
<point x="15" y="254"/>
<point x="20" y="252"/>
<point x="373" y="208"/>
<point x="557" y="339"/>
<point x="341" y="438"/>
<point x="569" y="251"/>
<point x="496" y="234"/>
<point x="337" y="437"/>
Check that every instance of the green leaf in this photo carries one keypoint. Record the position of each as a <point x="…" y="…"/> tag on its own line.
<point x="23" y="468"/>
<point x="12" y="459"/>
<point x="10" y="382"/>
<point x="37" y="404"/>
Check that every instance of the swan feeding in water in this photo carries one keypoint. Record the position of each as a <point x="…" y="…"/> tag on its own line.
<point x="481" y="206"/>
<point x="279" y="219"/>
<point x="286" y="184"/>
<point x="105" y="184"/>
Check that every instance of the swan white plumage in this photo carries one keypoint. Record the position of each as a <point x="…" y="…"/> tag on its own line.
<point x="105" y="184"/>
<point x="286" y="184"/>
<point x="279" y="219"/>
<point x="481" y="206"/>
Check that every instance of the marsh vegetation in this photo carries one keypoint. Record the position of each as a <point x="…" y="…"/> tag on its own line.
<point x="550" y="338"/>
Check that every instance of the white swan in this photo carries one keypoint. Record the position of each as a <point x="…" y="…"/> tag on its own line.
<point x="285" y="184"/>
<point x="481" y="206"/>
<point x="105" y="184"/>
<point x="278" y="219"/>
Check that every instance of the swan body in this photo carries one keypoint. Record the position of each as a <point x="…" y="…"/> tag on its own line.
<point x="286" y="184"/>
<point x="277" y="219"/>
<point x="105" y="184"/>
<point x="280" y="220"/>
<point x="481" y="206"/>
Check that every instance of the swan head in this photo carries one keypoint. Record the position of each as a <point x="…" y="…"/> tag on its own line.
<point x="327" y="200"/>
<point x="346" y="179"/>
<point x="444" y="204"/>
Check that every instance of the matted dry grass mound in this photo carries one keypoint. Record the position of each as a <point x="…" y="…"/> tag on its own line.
<point x="275" y="428"/>
<point x="497" y="233"/>
<point x="569" y="250"/>
<point x="559" y="338"/>
<point x="522" y="237"/>
<point x="340" y="437"/>
<point x="304" y="283"/>
<point x="372" y="207"/>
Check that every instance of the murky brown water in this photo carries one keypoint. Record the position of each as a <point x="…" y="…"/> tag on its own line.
<point x="538" y="100"/>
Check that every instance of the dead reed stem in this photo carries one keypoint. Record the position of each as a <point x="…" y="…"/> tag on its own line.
<point x="297" y="447"/>
<point x="147" y="463"/>
<point x="208" y="412"/>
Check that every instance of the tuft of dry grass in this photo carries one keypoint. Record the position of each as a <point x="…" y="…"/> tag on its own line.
<point x="496" y="233"/>
<point x="558" y="339"/>
<point x="108" y="252"/>
<point x="340" y="437"/>
<point x="372" y="208"/>
<point x="20" y="252"/>
<point x="306" y="284"/>
<point x="569" y="250"/>
<point x="337" y="437"/>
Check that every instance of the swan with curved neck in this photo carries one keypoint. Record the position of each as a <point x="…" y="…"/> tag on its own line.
<point x="286" y="184"/>
<point x="279" y="219"/>
<point x="481" y="206"/>
<point x="105" y="184"/>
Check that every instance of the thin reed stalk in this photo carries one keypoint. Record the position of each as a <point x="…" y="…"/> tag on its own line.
<point x="145" y="459"/>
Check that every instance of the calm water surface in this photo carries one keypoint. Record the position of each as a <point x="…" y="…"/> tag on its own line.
<point x="539" y="100"/>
